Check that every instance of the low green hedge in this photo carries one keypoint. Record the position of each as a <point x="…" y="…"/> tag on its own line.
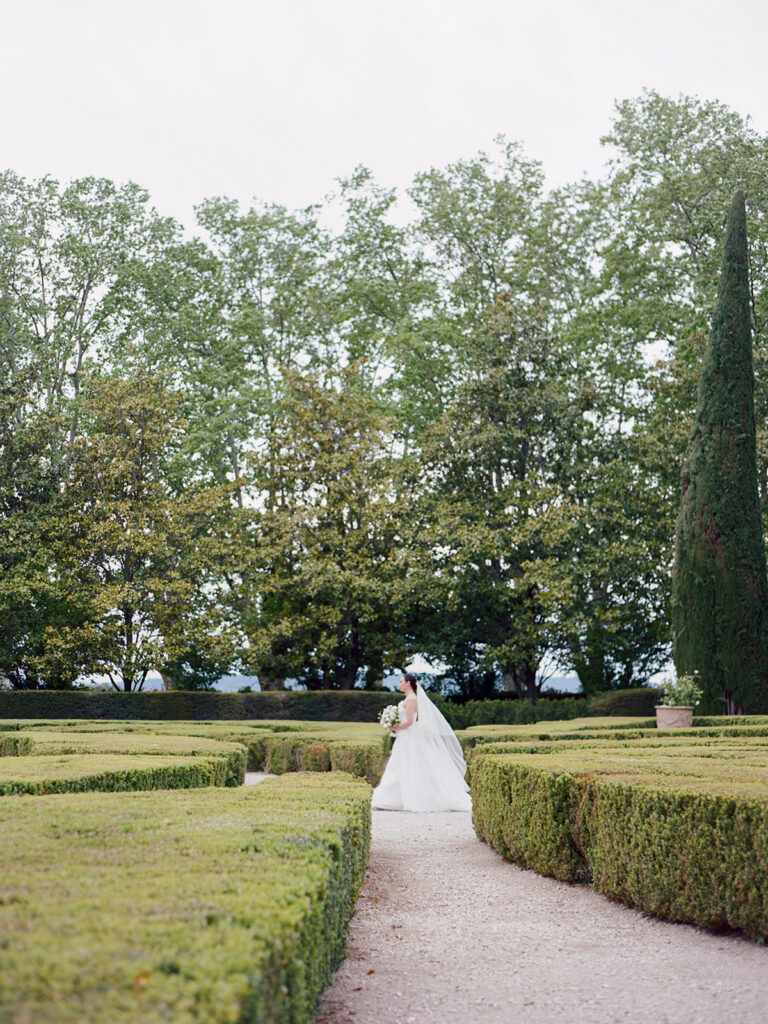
<point x="355" y="747"/>
<point x="637" y="702"/>
<point x="309" y="705"/>
<point x="592" y="730"/>
<point x="77" y="773"/>
<point x="319" y="705"/>
<point x="194" y="906"/>
<point x="512" y="712"/>
<point x="679" y="830"/>
<point x="13" y="745"/>
<point x="576" y="729"/>
<point x="294" y="753"/>
<point x="75" y="741"/>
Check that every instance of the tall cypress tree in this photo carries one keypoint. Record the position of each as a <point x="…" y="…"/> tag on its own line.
<point x="719" y="588"/>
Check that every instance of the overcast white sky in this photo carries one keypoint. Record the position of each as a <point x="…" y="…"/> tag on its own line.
<point x="276" y="98"/>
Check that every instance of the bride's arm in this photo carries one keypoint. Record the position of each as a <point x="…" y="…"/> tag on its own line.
<point x="410" y="714"/>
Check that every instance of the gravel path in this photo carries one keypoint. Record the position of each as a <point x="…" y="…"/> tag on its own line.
<point x="447" y="931"/>
<point x="251" y="778"/>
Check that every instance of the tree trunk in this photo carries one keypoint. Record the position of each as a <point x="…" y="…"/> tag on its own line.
<point x="271" y="682"/>
<point x="511" y="684"/>
<point x="731" y="707"/>
<point x="528" y="674"/>
<point x="168" y="683"/>
<point x="348" y="677"/>
<point x="523" y="682"/>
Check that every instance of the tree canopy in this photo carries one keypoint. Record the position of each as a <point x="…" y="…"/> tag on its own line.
<point x="312" y="444"/>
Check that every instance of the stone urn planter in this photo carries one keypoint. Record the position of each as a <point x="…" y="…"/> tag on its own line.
<point x="674" y="716"/>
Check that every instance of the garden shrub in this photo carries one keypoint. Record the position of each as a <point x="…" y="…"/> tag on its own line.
<point x="277" y="754"/>
<point x="511" y="712"/>
<point x="639" y="702"/>
<point x="677" y="827"/>
<point x="363" y="759"/>
<point x="63" y="740"/>
<point x="183" y="705"/>
<point x="76" y="773"/>
<point x="228" y="906"/>
<point x="306" y="705"/>
<point x="14" y="746"/>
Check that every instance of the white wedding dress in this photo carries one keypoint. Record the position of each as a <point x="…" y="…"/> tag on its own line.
<point x="426" y="768"/>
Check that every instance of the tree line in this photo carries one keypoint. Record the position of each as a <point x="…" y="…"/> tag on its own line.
<point x="312" y="444"/>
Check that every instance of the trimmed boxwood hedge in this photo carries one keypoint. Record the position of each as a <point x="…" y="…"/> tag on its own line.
<point x="313" y="705"/>
<point x="309" y="705"/>
<point x="354" y="747"/>
<point x="296" y="753"/>
<point x="13" y="746"/>
<point x="64" y="740"/>
<point x="637" y="702"/>
<point x="512" y="712"/>
<point x="229" y="906"/>
<point x="678" y="830"/>
<point x="77" y="773"/>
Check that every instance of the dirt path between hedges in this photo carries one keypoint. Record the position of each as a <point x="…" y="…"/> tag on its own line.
<point x="251" y="778"/>
<point x="448" y="932"/>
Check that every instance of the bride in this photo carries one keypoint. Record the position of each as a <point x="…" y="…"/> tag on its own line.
<point x="426" y="769"/>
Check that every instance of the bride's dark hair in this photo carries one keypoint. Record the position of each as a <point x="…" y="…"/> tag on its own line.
<point x="410" y="678"/>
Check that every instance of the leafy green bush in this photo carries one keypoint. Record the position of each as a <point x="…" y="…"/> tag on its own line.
<point x="363" y="759"/>
<point x="511" y="712"/>
<point x="638" y="702"/>
<point x="319" y="705"/>
<point x="684" y="691"/>
<point x="310" y="705"/>
<point x="679" y="829"/>
<point x="295" y="752"/>
<point x="130" y="741"/>
<point x="13" y="746"/>
<point x="229" y="906"/>
<point x="77" y="773"/>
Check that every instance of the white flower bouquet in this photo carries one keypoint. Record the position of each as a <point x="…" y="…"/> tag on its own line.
<point x="390" y="716"/>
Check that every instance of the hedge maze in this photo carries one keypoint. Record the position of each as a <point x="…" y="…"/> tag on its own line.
<point x="140" y="882"/>
<point x="674" y="823"/>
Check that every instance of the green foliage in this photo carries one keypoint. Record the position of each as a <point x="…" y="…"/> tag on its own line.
<point x="363" y="759"/>
<point x="496" y="519"/>
<point x="683" y="691"/>
<point x="309" y="753"/>
<point x="30" y="602"/>
<point x="355" y="706"/>
<point x="720" y="595"/>
<point x="676" y="829"/>
<point x="79" y="773"/>
<point x="326" y="706"/>
<point x="15" y="746"/>
<point x="542" y="530"/>
<point x="511" y="712"/>
<point x="639" y="701"/>
<point x="251" y="929"/>
<point x="458" y="436"/>
<point x="55" y="738"/>
<point x="138" y="553"/>
<point x="324" y="572"/>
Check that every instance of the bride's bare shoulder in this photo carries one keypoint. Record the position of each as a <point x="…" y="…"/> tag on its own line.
<point x="411" y="699"/>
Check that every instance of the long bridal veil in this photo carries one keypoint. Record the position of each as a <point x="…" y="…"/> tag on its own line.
<point x="426" y="769"/>
<point x="433" y="726"/>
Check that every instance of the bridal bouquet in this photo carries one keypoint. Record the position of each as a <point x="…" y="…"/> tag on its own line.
<point x="389" y="716"/>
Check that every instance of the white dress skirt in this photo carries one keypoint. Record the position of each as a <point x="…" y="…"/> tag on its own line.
<point x="420" y="775"/>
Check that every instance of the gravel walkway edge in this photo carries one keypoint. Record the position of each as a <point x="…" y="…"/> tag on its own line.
<point x="447" y="931"/>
